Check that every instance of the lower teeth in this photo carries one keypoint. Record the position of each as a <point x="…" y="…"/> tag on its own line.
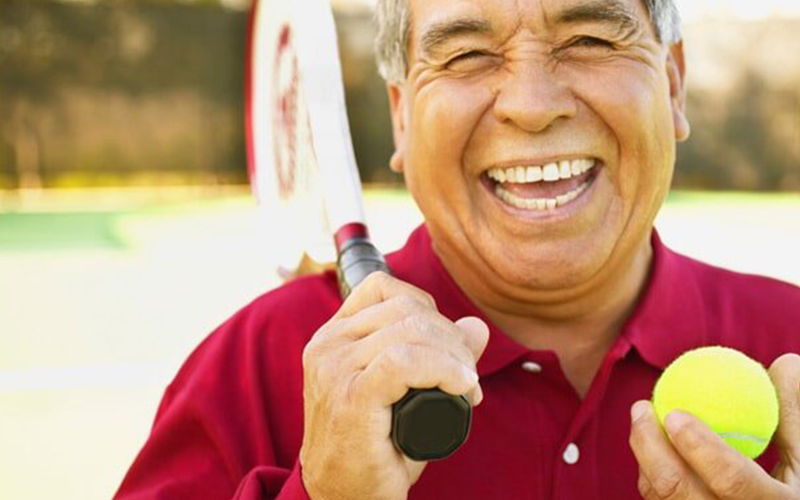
<point x="541" y="204"/>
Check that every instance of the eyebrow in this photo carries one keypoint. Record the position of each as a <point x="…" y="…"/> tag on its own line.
<point x="600" y="11"/>
<point x="439" y="33"/>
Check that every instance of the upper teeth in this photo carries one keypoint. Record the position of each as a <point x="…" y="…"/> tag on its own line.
<point x="549" y="173"/>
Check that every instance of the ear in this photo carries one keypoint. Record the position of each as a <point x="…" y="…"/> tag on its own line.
<point x="397" y="106"/>
<point x="676" y="72"/>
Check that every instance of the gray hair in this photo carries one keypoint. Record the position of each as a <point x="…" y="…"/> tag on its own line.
<point x="394" y="27"/>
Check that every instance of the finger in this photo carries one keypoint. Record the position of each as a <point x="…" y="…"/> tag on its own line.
<point x="645" y="488"/>
<point x="476" y="334"/>
<point x="466" y="339"/>
<point x="665" y="473"/>
<point x="785" y="375"/>
<point x="376" y="288"/>
<point x="401" y="367"/>
<point x="376" y="316"/>
<point x="428" y="329"/>
<point x="727" y="473"/>
<point x="476" y="338"/>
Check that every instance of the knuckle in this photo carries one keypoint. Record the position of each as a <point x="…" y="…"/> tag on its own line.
<point x="731" y="482"/>
<point x="428" y="298"/>
<point x="415" y="323"/>
<point x="461" y="336"/>
<point x="378" y="279"/>
<point x="311" y="364"/>
<point x="644" y="486"/>
<point x="462" y="353"/>
<point x="316" y="359"/>
<point x="324" y="370"/>
<point x="396" y="356"/>
<point x="670" y="485"/>
<point x="407" y="302"/>
<point x="350" y="391"/>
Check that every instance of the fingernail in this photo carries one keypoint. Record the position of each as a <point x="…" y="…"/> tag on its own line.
<point x="675" y="420"/>
<point x="638" y="410"/>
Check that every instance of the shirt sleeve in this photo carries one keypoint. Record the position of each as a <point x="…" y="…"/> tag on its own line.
<point x="261" y="483"/>
<point x="229" y="426"/>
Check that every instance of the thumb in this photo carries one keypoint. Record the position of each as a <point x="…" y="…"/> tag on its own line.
<point x="477" y="334"/>
<point x="785" y="375"/>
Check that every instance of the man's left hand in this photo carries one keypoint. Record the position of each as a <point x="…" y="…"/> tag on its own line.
<point x="691" y="462"/>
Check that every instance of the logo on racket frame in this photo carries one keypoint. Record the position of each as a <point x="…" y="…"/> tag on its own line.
<point x="286" y="82"/>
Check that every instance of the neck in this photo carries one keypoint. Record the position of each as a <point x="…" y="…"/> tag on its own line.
<point x="580" y="325"/>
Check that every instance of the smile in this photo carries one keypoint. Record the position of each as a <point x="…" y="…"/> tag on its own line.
<point x="542" y="188"/>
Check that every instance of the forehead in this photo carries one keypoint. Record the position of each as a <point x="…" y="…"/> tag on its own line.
<point x="502" y="15"/>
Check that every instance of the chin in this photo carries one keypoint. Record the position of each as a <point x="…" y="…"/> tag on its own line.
<point x="546" y="272"/>
<point x="548" y="276"/>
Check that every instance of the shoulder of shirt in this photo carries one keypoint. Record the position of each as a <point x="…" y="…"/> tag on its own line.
<point x="290" y="310"/>
<point x="274" y="327"/>
<point x="767" y="309"/>
<point x="310" y="295"/>
<point x="721" y="285"/>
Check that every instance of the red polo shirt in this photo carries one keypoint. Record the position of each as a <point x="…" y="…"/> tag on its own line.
<point x="230" y="424"/>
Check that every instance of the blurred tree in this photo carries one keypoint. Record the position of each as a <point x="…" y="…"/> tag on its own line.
<point x="743" y="140"/>
<point x="66" y="64"/>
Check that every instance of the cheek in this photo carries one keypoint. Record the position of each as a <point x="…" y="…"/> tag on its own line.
<point x="445" y="115"/>
<point x="634" y="104"/>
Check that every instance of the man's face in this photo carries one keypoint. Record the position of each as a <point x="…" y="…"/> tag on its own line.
<point x="514" y="84"/>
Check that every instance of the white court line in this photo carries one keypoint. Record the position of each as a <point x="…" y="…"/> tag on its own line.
<point x="98" y="376"/>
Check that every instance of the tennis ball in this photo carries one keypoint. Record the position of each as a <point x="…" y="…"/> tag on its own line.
<point x="730" y="392"/>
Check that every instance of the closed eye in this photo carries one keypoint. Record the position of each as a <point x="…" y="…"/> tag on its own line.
<point x="471" y="61"/>
<point x="591" y="42"/>
<point x="467" y="55"/>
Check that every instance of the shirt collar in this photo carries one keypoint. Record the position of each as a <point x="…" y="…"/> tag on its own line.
<point x="668" y="320"/>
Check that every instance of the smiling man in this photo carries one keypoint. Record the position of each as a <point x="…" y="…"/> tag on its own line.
<point x="538" y="139"/>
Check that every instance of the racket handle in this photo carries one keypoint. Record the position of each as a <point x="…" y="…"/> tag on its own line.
<point x="358" y="258"/>
<point x="427" y="424"/>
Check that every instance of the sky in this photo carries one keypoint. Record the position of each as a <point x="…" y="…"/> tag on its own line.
<point x="693" y="10"/>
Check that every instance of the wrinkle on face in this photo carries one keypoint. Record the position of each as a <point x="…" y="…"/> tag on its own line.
<point x="520" y="35"/>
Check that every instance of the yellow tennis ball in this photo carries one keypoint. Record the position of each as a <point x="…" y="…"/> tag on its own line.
<point x="730" y="392"/>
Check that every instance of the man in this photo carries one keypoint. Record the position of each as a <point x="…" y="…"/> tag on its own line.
<point x="538" y="139"/>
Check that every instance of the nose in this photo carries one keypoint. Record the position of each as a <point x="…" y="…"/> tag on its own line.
<point x="532" y="98"/>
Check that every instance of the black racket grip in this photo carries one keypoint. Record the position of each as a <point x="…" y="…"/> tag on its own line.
<point x="427" y="424"/>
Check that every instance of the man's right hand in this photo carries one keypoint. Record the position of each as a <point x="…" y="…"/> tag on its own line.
<point x="387" y="338"/>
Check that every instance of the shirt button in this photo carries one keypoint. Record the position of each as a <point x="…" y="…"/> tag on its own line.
<point x="572" y="454"/>
<point x="530" y="366"/>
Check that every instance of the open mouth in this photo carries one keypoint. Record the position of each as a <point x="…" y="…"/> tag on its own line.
<point x="542" y="188"/>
